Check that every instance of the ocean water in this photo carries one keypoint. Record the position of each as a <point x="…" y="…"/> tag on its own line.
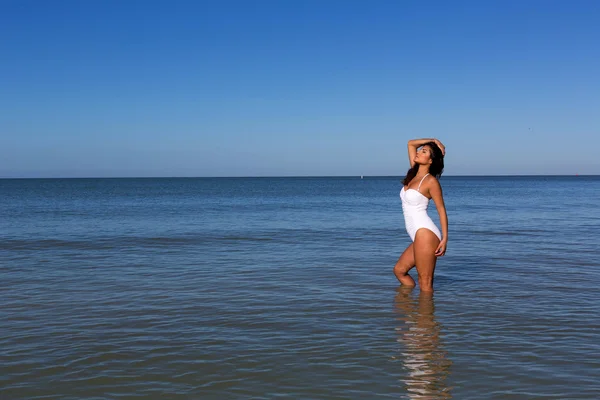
<point x="263" y="288"/>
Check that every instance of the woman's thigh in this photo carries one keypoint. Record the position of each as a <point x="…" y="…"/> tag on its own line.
<point x="406" y="260"/>
<point x="424" y="249"/>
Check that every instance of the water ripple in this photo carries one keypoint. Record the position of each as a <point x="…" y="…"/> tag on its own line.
<point x="149" y="289"/>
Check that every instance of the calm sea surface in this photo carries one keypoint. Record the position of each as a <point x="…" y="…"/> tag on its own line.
<point x="268" y="288"/>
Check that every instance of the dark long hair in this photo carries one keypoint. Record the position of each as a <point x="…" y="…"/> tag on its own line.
<point x="436" y="168"/>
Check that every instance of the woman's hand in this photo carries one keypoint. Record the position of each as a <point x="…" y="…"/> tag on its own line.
<point x="441" y="249"/>
<point x="441" y="146"/>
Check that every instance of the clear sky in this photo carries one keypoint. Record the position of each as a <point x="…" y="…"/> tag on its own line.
<point x="92" y="88"/>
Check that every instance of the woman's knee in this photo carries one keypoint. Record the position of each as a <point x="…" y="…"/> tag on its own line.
<point x="402" y="269"/>
<point x="425" y="275"/>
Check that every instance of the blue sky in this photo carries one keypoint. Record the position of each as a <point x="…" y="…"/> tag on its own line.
<point x="277" y="88"/>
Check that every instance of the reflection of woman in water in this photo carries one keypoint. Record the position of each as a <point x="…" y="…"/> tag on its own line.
<point x="420" y="185"/>
<point x="423" y="354"/>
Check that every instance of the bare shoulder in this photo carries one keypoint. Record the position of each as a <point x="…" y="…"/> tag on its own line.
<point x="432" y="184"/>
<point x="431" y="180"/>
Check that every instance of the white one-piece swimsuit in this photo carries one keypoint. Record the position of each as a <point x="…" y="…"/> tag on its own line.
<point x="414" y="208"/>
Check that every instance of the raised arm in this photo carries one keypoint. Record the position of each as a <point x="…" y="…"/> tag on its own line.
<point x="414" y="144"/>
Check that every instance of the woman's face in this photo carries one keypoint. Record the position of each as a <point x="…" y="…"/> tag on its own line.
<point x="423" y="155"/>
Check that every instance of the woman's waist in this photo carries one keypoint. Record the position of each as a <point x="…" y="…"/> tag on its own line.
<point x="416" y="215"/>
<point x="414" y="210"/>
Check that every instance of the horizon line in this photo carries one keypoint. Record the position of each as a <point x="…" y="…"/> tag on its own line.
<point x="292" y="176"/>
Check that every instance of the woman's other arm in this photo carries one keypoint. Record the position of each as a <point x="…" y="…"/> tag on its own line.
<point x="435" y="190"/>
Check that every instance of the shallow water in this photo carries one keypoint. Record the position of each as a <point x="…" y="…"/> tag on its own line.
<point x="283" y="287"/>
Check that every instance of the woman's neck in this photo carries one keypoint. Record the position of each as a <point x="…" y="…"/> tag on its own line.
<point x="423" y="170"/>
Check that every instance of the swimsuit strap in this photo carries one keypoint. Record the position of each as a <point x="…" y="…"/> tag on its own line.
<point x="421" y="182"/>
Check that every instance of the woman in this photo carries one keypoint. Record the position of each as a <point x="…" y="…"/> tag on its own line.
<point x="421" y="184"/>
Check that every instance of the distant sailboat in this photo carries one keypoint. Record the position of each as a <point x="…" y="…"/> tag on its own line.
<point x="361" y="177"/>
